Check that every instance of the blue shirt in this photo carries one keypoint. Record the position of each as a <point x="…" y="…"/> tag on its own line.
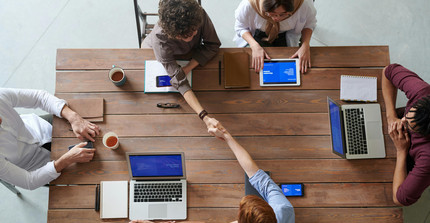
<point x="271" y="193"/>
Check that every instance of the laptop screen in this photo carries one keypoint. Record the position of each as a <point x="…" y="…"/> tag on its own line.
<point x="336" y="127"/>
<point x="166" y="165"/>
<point x="278" y="72"/>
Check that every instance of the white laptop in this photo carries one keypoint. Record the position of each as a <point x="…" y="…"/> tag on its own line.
<point x="280" y="72"/>
<point x="356" y="130"/>
<point x="157" y="186"/>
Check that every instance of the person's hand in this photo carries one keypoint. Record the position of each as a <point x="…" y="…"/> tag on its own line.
<point x="84" y="129"/>
<point x="399" y="135"/>
<point x="79" y="154"/>
<point x="212" y="123"/>
<point x="258" y="55"/>
<point x="304" y="55"/>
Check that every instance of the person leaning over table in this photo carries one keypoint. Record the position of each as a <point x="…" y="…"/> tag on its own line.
<point x="410" y="132"/>
<point x="184" y="27"/>
<point x="24" y="161"/>
<point x="275" y="207"/>
<point x="275" y="23"/>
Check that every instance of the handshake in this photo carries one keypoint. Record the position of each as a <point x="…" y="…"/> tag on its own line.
<point x="216" y="129"/>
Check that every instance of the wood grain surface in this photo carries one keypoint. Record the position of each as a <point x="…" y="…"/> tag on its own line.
<point x="285" y="129"/>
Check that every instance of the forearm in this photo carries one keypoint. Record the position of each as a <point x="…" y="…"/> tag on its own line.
<point x="69" y="114"/>
<point x="306" y="36"/>
<point x="250" y="40"/>
<point x="190" y="66"/>
<point x="242" y="156"/>
<point x="389" y="92"/>
<point x="399" y="173"/>
<point x="61" y="163"/>
<point x="192" y="101"/>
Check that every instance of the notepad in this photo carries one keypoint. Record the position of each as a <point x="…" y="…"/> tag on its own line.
<point x="114" y="199"/>
<point x="236" y="69"/>
<point x="358" y="88"/>
<point x="90" y="109"/>
<point x="154" y="69"/>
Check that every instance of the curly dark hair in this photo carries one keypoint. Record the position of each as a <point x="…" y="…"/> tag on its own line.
<point x="179" y="17"/>
<point x="422" y="116"/>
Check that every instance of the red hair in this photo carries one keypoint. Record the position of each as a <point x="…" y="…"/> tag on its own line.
<point x="253" y="209"/>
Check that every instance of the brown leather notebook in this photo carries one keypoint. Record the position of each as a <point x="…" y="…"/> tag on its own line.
<point x="90" y="109"/>
<point x="236" y="70"/>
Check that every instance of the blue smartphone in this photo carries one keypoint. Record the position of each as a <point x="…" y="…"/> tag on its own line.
<point x="292" y="189"/>
<point x="163" y="81"/>
<point x="89" y="145"/>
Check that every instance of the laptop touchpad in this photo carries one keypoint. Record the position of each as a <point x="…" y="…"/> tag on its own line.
<point x="374" y="130"/>
<point x="157" y="211"/>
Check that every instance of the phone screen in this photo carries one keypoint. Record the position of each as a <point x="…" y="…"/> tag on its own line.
<point x="163" y="81"/>
<point x="292" y="190"/>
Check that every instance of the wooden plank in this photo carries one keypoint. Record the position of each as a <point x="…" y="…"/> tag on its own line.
<point x="303" y="215"/>
<point x="337" y="56"/>
<point x="265" y="147"/>
<point x="229" y="195"/>
<point x="350" y="215"/>
<point x="203" y="80"/>
<point x="190" y="125"/>
<point x="82" y="196"/>
<point x="300" y="101"/>
<point x="229" y="171"/>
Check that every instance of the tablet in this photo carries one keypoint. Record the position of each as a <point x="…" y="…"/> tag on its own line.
<point x="280" y="72"/>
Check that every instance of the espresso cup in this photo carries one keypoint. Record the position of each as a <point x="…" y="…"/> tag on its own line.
<point x="111" y="140"/>
<point x="117" y="75"/>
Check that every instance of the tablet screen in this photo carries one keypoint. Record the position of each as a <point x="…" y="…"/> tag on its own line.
<point x="280" y="72"/>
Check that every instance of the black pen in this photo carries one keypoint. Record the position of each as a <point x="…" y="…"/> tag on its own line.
<point x="97" y="206"/>
<point x="219" y="71"/>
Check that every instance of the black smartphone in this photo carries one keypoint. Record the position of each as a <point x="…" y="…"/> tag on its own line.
<point x="292" y="189"/>
<point x="163" y="81"/>
<point x="89" y="145"/>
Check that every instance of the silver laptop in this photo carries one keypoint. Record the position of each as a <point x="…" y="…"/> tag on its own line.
<point x="158" y="189"/>
<point x="356" y="130"/>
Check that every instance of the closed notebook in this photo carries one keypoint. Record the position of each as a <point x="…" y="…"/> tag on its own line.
<point x="236" y="70"/>
<point x="113" y="199"/>
<point x="358" y="88"/>
<point x="90" y="109"/>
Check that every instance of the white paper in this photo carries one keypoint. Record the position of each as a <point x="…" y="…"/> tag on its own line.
<point x="113" y="199"/>
<point x="358" y="88"/>
<point x="153" y="69"/>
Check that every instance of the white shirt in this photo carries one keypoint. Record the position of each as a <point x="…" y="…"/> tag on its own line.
<point x="248" y="20"/>
<point x="23" y="162"/>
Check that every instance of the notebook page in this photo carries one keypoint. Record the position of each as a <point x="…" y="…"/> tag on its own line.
<point x="113" y="199"/>
<point x="358" y="88"/>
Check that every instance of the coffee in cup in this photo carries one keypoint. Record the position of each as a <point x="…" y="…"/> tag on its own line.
<point x="117" y="75"/>
<point x="111" y="140"/>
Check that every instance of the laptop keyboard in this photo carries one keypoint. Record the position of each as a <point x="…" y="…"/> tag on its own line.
<point x="157" y="192"/>
<point x="356" y="133"/>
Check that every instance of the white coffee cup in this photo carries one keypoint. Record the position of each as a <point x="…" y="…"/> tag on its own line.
<point x="111" y="140"/>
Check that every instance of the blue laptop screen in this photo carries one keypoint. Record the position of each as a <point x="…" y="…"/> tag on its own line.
<point x="156" y="165"/>
<point x="278" y="72"/>
<point x="336" y="128"/>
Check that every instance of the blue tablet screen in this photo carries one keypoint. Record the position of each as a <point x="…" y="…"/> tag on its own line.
<point x="292" y="189"/>
<point x="156" y="165"/>
<point x="279" y="72"/>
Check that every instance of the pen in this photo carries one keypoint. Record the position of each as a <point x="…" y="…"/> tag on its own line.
<point x="97" y="206"/>
<point x="219" y="72"/>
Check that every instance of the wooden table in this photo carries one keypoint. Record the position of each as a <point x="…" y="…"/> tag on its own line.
<point x="285" y="129"/>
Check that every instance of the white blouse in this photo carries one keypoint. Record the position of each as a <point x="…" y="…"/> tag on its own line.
<point x="23" y="162"/>
<point x="248" y="20"/>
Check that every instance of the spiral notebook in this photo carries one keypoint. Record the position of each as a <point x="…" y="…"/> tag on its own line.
<point x="358" y="88"/>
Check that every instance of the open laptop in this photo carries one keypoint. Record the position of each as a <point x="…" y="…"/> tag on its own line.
<point x="280" y="72"/>
<point x="356" y="130"/>
<point x="157" y="186"/>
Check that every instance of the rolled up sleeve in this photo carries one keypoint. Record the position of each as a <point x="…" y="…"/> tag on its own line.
<point x="405" y="80"/>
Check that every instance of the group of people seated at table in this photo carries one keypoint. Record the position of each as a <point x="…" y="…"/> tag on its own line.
<point x="185" y="28"/>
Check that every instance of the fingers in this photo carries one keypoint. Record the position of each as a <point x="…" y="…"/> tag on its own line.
<point x="267" y="55"/>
